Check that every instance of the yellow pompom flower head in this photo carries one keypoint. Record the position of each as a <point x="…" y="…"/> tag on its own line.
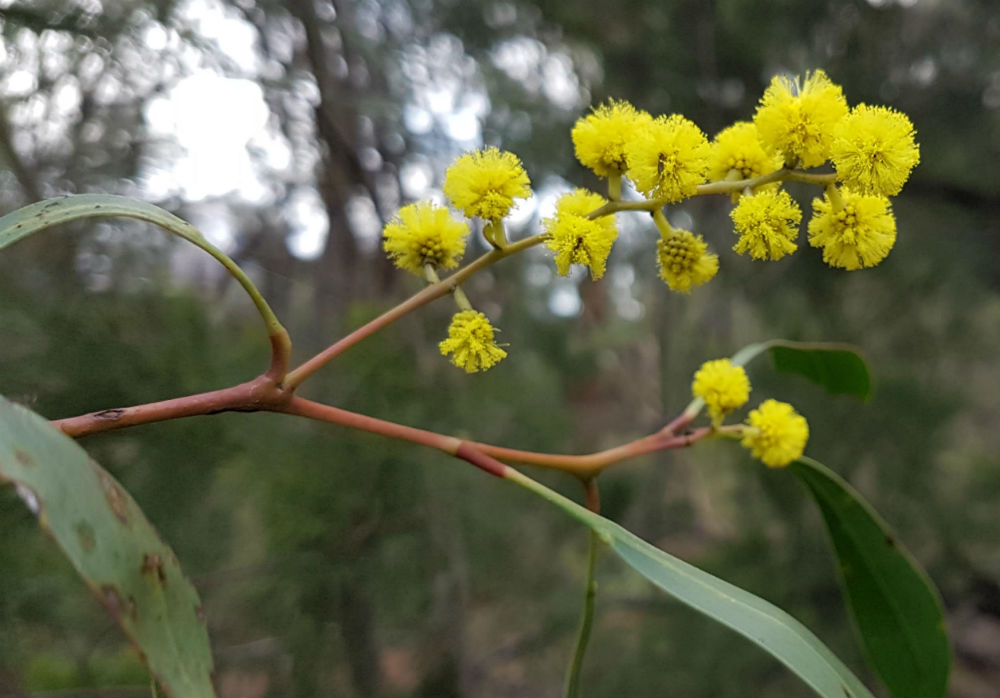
<point x="797" y="119"/>
<point x="767" y="223"/>
<point x="776" y="433"/>
<point x="684" y="260"/>
<point x="599" y="138"/>
<point x="484" y="183"/>
<point x="575" y="238"/>
<point x="738" y="154"/>
<point x="854" y="230"/>
<point x="470" y="342"/>
<point x="723" y="386"/>
<point x="874" y="150"/>
<point x="668" y="158"/>
<point x="423" y="234"/>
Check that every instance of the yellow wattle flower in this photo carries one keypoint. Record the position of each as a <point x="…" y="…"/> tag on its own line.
<point x="723" y="386"/>
<point x="767" y="223"/>
<point x="684" y="260"/>
<point x="484" y="183"/>
<point x="776" y="433"/>
<point x="422" y="234"/>
<point x="668" y="158"/>
<point x="874" y="150"/>
<point x="577" y="239"/>
<point x="737" y="149"/>
<point x="797" y="120"/>
<point x="599" y="139"/>
<point x="470" y="342"/>
<point x="859" y="233"/>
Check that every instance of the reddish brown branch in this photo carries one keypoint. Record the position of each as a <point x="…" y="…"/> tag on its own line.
<point x="592" y="496"/>
<point x="584" y="467"/>
<point x="262" y="393"/>
<point x="334" y="415"/>
<point x="590" y="465"/>
<point x="265" y="394"/>
<point x="479" y="459"/>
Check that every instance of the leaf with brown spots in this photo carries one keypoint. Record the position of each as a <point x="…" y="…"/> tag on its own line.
<point x="109" y="541"/>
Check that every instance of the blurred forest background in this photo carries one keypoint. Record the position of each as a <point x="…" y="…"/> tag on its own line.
<point x="332" y="563"/>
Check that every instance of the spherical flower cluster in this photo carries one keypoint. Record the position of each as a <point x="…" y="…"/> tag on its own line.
<point x="599" y="139"/>
<point x="684" y="260"/>
<point x="577" y="239"/>
<point x="723" y="386"/>
<point x="668" y="158"/>
<point x="767" y="223"/>
<point x="874" y="150"/>
<point x="800" y="122"/>
<point x="424" y="234"/>
<point x="854" y="230"/>
<point x="776" y="433"/>
<point x="797" y="120"/>
<point x="485" y="183"/>
<point x="737" y="153"/>
<point x="470" y="342"/>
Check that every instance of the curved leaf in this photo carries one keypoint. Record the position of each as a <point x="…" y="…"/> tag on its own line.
<point x="759" y="621"/>
<point x="895" y="606"/>
<point x="26" y="221"/>
<point x="837" y="367"/>
<point x="106" y="537"/>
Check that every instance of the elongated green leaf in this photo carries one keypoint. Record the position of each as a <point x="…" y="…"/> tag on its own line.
<point x="894" y="604"/>
<point x="26" y="221"/>
<point x="756" y="619"/>
<point x="106" y="537"/>
<point x="839" y="370"/>
<point x="837" y="367"/>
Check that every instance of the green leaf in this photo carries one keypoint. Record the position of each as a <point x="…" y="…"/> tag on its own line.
<point x="26" y="221"/>
<point x="895" y="606"/>
<point x="837" y="367"/>
<point x="106" y="537"/>
<point x="759" y="621"/>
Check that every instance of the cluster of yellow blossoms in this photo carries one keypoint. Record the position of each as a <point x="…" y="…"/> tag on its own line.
<point x="798" y="124"/>
<point x="774" y="432"/>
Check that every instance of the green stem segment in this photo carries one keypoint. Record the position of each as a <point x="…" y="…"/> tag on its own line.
<point x="662" y="224"/>
<point x="615" y="187"/>
<point x="572" y="689"/>
<point x="281" y="342"/>
<point x="833" y="194"/>
<point x="461" y="300"/>
<point x="495" y="234"/>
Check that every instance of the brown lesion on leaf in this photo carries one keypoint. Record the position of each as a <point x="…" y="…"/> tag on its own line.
<point x="152" y="564"/>
<point x="112" y="600"/>
<point x="85" y="533"/>
<point x="113" y="493"/>
<point x="23" y="458"/>
<point x="120" y="609"/>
